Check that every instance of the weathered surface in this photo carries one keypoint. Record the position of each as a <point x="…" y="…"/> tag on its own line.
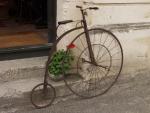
<point x="129" y="95"/>
<point x="129" y="22"/>
<point x="15" y="95"/>
<point x="22" y="68"/>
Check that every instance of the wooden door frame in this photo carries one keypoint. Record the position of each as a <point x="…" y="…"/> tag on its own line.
<point x="52" y="15"/>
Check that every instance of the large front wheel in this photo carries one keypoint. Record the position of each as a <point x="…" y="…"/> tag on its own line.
<point x="87" y="79"/>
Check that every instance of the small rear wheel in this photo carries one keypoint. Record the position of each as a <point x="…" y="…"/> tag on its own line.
<point x="43" y="96"/>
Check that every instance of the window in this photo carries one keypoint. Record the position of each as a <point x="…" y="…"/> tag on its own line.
<point x="27" y="24"/>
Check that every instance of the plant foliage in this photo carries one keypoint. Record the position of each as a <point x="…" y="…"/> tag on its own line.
<point x="61" y="62"/>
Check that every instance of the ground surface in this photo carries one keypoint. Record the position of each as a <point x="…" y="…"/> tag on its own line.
<point x="131" y="95"/>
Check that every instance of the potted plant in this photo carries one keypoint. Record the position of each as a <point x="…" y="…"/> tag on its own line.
<point x="60" y="63"/>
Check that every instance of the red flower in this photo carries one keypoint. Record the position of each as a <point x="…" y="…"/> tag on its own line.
<point x="70" y="46"/>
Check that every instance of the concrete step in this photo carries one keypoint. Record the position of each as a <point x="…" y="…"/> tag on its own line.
<point x="18" y="87"/>
<point x="22" y="68"/>
<point x="20" y="76"/>
<point x="15" y="95"/>
<point x="17" y="79"/>
<point x="24" y="86"/>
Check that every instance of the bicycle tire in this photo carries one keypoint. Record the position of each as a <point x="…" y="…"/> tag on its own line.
<point x="40" y="101"/>
<point x="71" y="84"/>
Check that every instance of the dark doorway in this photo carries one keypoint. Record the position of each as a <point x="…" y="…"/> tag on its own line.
<point x="27" y="22"/>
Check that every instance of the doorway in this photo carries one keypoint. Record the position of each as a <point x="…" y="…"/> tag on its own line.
<point x="25" y="22"/>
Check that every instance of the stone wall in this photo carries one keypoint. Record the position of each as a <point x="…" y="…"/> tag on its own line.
<point x="129" y="20"/>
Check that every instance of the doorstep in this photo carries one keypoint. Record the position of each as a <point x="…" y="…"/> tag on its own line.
<point x="22" y="68"/>
<point x="17" y="79"/>
<point x="22" y="75"/>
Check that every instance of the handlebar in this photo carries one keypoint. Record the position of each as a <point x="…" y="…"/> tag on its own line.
<point x="90" y="8"/>
<point x="77" y="6"/>
<point x="93" y="8"/>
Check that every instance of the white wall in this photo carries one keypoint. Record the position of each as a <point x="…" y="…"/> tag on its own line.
<point x="129" y="22"/>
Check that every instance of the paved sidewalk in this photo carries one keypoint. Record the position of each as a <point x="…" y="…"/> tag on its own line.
<point x="131" y="95"/>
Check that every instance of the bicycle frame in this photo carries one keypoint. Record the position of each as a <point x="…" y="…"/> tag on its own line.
<point x="54" y="48"/>
<point x="85" y="28"/>
<point x="87" y="37"/>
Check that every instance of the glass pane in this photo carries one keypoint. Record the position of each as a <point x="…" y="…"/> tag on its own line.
<point x="23" y="23"/>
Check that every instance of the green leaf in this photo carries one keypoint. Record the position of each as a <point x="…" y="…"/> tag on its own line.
<point x="60" y="57"/>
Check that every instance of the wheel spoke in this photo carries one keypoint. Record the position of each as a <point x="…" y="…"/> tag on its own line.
<point x="107" y="60"/>
<point x="81" y="51"/>
<point x="82" y="43"/>
<point x="116" y="53"/>
<point x="101" y="46"/>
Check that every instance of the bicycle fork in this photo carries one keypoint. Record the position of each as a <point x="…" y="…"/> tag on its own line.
<point x="93" y="61"/>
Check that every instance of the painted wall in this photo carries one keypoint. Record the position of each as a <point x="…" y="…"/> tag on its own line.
<point x="129" y="20"/>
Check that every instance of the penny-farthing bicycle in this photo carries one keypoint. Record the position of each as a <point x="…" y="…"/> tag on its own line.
<point x="98" y="61"/>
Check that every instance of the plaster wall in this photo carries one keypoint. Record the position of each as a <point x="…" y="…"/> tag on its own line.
<point x="129" y="20"/>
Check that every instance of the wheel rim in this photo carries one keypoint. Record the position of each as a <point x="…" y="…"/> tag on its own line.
<point x="41" y="98"/>
<point x="104" y="43"/>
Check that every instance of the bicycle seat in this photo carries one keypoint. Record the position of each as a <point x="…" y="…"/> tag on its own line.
<point x="65" y="22"/>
